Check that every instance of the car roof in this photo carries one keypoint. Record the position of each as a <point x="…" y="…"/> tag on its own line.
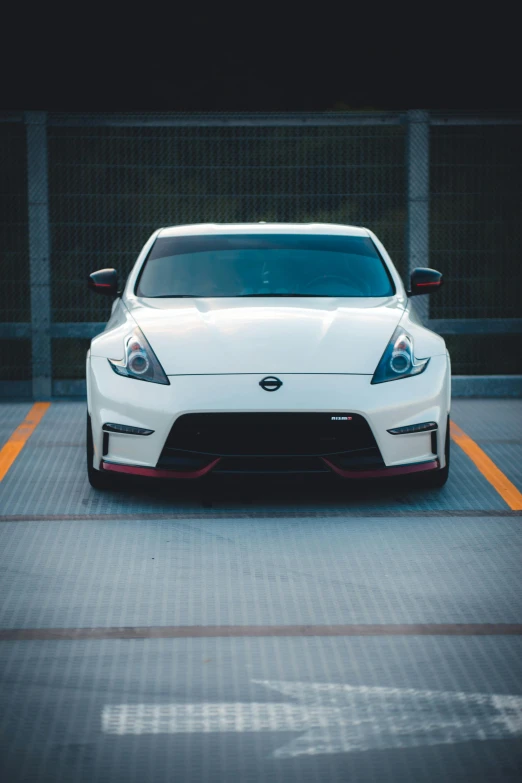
<point x="264" y="228"/>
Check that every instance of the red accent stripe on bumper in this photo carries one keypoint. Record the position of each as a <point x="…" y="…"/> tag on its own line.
<point x="398" y="470"/>
<point x="137" y="470"/>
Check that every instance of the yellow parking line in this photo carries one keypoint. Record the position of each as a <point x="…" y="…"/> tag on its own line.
<point x="22" y="433"/>
<point x="487" y="467"/>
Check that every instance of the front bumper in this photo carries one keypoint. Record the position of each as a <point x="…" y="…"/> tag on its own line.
<point x="112" y="398"/>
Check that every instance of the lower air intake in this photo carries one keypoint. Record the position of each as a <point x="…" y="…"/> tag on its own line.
<point x="272" y="434"/>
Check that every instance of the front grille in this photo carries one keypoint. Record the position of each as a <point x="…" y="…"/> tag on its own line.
<point x="270" y="434"/>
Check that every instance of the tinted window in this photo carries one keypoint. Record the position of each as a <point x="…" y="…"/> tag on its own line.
<point x="257" y="265"/>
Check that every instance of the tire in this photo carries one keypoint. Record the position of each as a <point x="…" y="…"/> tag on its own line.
<point x="97" y="478"/>
<point x="437" y="478"/>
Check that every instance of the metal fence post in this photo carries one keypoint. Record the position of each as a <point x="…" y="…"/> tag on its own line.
<point x="418" y="223"/>
<point x="39" y="252"/>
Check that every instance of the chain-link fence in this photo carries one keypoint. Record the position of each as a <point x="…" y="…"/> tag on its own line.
<point x="84" y="192"/>
<point x="15" y="348"/>
<point x="476" y="220"/>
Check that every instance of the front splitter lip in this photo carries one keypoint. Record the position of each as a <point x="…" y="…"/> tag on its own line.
<point x="397" y="470"/>
<point x="138" y="470"/>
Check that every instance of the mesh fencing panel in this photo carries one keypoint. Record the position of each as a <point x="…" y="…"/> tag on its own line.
<point x="484" y="354"/>
<point x="15" y="354"/>
<point x="476" y="220"/>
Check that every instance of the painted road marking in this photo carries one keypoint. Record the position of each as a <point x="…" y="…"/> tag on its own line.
<point x="302" y="515"/>
<point x="487" y="467"/>
<point x="22" y="433"/>
<point x="238" y="631"/>
<point x="334" y="718"/>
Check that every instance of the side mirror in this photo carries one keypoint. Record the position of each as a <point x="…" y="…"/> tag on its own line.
<point x="105" y="282"/>
<point x="424" y="281"/>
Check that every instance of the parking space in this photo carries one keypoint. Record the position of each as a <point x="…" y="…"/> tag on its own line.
<point x="495" y="425"/>
<point x="286" y="630"/>
<point x="49" y="479"/>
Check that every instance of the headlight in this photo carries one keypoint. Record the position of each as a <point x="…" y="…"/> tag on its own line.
<point x="139" y="360"/>
<point x="398" y="360"/>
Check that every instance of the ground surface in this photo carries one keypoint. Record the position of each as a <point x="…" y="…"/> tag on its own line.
<point x="138" y="696"/>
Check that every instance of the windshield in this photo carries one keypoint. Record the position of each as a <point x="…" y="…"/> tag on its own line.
<point x="264" y="265"/>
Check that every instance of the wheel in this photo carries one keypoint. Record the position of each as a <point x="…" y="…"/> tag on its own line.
<point x="97" y="478"/>
<point x="437" y="478"/>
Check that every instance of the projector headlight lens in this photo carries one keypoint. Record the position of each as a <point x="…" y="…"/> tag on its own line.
<point x="138" y="362"/>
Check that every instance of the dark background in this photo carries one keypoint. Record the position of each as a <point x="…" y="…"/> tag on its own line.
<point x="260" y="58"/>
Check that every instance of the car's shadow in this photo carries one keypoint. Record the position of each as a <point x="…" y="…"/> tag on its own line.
<point x="295" y="493"/>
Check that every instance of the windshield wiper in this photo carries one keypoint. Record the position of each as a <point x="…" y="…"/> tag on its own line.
<point x="227" y="296"/>
<point x="241" y="296"/>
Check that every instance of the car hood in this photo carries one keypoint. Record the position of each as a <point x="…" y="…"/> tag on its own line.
<point x="268" y="336"/>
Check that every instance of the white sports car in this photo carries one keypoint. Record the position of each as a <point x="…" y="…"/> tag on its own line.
<point x="266" y="348"/>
